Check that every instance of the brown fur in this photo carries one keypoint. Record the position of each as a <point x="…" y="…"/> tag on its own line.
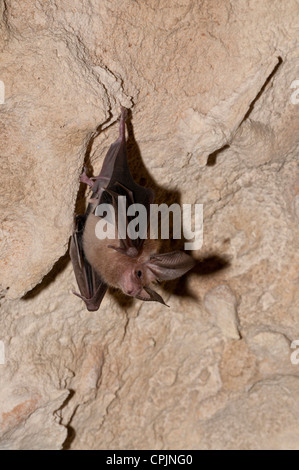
<point x="115" y="267"/>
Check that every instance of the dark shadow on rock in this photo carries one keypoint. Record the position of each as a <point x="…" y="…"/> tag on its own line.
<point x="71" y="433"/>
<point x="212" y="158"/>
<point x="204" y="267"/>
<point x="211" y="265"/>
<point x="124" y="301"/>
<point x="140" y="173"/>
<point x="58" y="267"/>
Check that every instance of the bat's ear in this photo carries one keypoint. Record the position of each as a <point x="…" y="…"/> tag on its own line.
<point x="169" y="266"/>
<point x="150" y="294"/>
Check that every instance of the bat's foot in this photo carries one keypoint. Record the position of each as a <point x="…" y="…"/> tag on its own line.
<point x="91" y="307"/>
<point x="93" y="200"/>
<point x="85" y="179"/>
<point x="122" y="124"/>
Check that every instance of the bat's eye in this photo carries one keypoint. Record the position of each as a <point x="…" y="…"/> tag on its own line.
<point x="139" y="274"/>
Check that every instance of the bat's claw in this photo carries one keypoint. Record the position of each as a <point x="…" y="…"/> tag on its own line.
<point x="93" y="200"/>
<point x="122" y="124"/>
<point x="91" y="307"/>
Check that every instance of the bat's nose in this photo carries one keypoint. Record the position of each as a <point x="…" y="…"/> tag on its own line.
<point x="132" y="291"/>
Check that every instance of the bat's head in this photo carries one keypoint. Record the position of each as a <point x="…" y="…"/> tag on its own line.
<point x="136" y="279"/>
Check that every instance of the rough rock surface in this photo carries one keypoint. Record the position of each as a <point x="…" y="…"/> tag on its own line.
<point x="215" y="114"/>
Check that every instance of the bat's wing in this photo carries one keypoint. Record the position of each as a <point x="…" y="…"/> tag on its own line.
<point x="91" y="286"/>
<point x="116" y="180"/>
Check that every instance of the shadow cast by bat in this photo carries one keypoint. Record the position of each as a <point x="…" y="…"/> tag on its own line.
<point x="205" y="266"/>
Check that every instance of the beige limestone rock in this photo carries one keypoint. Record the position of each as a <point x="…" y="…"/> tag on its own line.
<point x="222" y="305"/>
<point x="215" y="121"/>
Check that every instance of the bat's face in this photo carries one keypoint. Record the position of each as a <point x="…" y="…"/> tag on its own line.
<point x="134" y="279"/>
<point x="131" y="281"/>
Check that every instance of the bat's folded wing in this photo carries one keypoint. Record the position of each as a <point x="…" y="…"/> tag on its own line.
<point x="91" y="286"/>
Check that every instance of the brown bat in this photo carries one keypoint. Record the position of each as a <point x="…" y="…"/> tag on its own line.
<point x="131" y="265"/>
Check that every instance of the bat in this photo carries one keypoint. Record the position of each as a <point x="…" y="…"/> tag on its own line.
<point x="132" y="265"/>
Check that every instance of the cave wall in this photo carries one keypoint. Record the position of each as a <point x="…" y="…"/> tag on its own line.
<point x="212" y="89"/>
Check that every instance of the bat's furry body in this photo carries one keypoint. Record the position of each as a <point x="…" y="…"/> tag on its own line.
<point x="131" y="265"/>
